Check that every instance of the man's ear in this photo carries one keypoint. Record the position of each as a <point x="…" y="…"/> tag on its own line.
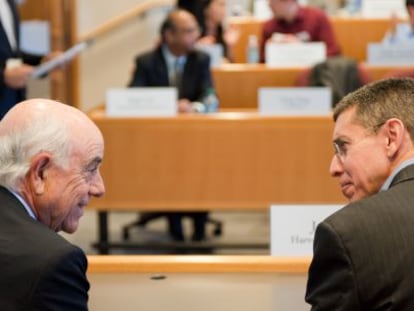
<point x="38" y="171"/>
<point x="169" y="36"/>
<point x="395" y="133"/>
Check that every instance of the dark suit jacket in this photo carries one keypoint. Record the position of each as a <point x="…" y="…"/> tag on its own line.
<point x="151" y="70"/>
<point x="364" y="253"/>
<point x="9" y="97"/>
<point x="39" y="270"/>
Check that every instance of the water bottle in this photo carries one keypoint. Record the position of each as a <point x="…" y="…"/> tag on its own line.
<point x="210" y="101"/>
<point x="252" y="50"/>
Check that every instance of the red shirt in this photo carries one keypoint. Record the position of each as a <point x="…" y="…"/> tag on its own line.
<point x="309" y="20"/>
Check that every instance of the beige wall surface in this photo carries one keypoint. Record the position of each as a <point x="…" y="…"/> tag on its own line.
<point x="109" y="61"/>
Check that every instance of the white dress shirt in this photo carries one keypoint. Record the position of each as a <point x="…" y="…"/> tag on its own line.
<point x="6" y="18"/>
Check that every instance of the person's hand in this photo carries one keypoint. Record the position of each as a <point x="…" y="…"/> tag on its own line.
<point x="51" y="55"/>
<point x="284" y="38"/>
<point x="17" y="77"/>
<point x="184" y="106"/>
<point x="207" y="40"/>
<point x="394" y="20"/>
<point x="231" y="35"/>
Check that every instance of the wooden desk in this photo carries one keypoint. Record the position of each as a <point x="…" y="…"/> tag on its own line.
<point x="98" y="264"/>
<point x="199" y="283"/>
<point x="352" y="34"/>
<point x="237" y="85"/>
<point x="221" y="161"/>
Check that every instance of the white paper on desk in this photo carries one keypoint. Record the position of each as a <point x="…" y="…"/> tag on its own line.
<point x="292" y="227"/>
<point x="390" y="55"/>
<point x="295" y="101"/>
<point x="65" y="57"/>
<point x="283" y="55"/>
<point x="141" y="102"/>
<point x="35" y="37"/>
<point x="383" y="8"/>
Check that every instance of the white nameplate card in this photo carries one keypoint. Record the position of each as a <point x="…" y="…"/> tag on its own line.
<point x="299" y="54"/>
<point x="142" y="102"/>
<point x="390" y="55"/>
<point x="293" y="227"/>
<point x="383" y="8"/>
<point x="295" y="101"/>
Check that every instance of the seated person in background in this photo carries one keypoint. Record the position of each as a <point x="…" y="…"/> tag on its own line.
<point x="175" y="62"/>
<point x="189" y="5"/>
<point x="401" y="33"/>
<point x="210" y="15"/>
<point x="179" y="33"/>
<point x="295" y="23"/>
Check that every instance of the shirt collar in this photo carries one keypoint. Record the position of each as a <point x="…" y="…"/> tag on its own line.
<point x="399" y="168"/>
<point x="171" y="58"/>
<point x="25" y="205"/>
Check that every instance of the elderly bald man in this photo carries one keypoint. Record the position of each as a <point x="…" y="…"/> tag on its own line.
<point x="50" y="155"/>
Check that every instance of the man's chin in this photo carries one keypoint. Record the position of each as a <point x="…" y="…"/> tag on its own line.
<point x="70" y="228"/>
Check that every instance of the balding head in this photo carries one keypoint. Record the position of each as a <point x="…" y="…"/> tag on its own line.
<point x="27" y="112"/>
<point x="180" y="32"/>
<point x="49" y="154"/>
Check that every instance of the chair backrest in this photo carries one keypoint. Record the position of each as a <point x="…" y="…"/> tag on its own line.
<point x="341" y="74"/>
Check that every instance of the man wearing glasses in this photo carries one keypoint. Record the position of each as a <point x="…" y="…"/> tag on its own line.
<point x="364" y="253"/>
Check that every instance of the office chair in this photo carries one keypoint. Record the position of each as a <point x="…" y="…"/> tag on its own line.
<point x="342" y="74"/>
<point x="146" y="217"/>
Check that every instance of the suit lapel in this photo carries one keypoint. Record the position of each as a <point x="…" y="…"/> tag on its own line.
<point x="3" y="35"/>
<point x="161" y="69"/>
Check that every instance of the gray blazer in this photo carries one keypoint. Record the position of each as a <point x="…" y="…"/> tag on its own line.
<point x="364" y="253"/>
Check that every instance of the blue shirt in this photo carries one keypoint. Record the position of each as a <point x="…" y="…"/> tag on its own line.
<point x="399" y="168"/>
<point x="25" y="205"/>
<point x="404" y="35"/>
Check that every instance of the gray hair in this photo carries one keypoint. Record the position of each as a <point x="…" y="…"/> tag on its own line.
<point x="19" y="145"/>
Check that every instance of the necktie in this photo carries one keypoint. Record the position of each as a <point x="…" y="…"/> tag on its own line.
<point x="176" y="73"/>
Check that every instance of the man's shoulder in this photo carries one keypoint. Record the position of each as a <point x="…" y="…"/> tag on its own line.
<point x="269" y="24"/>
<point x="198" y="55"/>
<point x="148" y="56"/>
<point x="313" y="12"/>
<point x="381" y="204"/>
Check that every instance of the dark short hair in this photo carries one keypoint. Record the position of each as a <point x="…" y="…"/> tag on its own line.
<point x="167" y="24"/>
<point x="409" y="2"/>
<point x="379" y="101"/>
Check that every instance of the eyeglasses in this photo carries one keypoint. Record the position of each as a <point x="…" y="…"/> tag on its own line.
<point x="341" y="147"/>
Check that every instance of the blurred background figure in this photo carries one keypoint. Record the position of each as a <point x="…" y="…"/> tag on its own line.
<point x="295" y="23"/>
<point x="401" y="33"/>
<point x="176" y="63"/>
<point x="16" y="66"/>
<point x="211" y="17"/>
